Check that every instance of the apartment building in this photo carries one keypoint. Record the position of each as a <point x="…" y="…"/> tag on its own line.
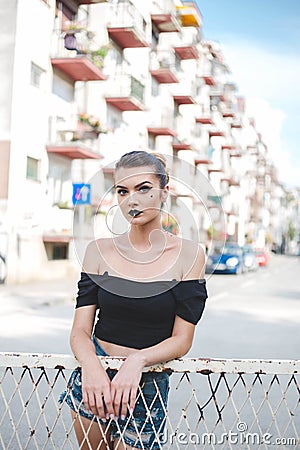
<point x="88" y="80"/>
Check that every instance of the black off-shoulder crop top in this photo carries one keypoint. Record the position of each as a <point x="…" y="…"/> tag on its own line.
<point x="140" y="314"/>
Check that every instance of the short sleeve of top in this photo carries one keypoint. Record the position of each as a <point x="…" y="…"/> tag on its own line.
<point x="189" y="295"/>
<point x="190" y="298"/>
<point x="87" y="291"/>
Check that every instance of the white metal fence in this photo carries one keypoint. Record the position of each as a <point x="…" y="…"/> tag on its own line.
<point x="213" y="403"/>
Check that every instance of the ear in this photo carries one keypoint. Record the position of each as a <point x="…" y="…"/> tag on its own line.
<point x="165" y="193"/>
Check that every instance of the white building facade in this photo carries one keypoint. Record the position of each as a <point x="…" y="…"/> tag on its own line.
<point x="87" y="81"/>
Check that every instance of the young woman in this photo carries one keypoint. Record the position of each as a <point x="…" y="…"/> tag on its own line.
<point x="150" y="290"/>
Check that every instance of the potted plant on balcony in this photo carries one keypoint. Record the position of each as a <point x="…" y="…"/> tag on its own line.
<point x="92" y="125"/>
<point x="99" y="55"/>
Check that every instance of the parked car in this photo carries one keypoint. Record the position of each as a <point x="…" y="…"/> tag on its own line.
<point x="249" y="256"/>
<point x="226" y="259"/>
<point x="262" y="256"/>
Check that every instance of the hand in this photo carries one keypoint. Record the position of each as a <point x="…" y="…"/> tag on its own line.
<point x="96" y="389"/>
<point x="125" y="383"/>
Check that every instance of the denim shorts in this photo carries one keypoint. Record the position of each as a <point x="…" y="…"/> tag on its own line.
<point x="144" y="429"/>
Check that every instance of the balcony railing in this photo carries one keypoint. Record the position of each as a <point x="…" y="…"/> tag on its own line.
<point x="165" y="22"/>
<point x="185" y="92"/>
<point x="163" y="124"/>
<point x="163" y="66"/>
<point x="126" y="93"/>
<point x="126" y="25"/>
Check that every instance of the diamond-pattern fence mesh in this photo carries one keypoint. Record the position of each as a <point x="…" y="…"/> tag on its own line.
<point x="222" y="404"/>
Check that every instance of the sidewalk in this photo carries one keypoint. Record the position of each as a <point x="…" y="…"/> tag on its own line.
<point x="32" y="295"/>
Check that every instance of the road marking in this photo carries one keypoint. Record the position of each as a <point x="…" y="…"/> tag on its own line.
<point x="218" y="296"/>
<point x="247" y="283"/>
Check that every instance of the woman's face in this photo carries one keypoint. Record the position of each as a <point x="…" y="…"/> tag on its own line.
<point x="139" y="194"/>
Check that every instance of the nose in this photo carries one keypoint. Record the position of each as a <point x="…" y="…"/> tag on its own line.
<point x="132" y="201"/>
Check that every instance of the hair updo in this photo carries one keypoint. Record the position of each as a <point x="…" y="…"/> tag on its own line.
<point x="139" y="158"/>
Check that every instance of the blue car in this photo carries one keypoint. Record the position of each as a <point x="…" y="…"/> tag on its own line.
<point x="226" y="259"/>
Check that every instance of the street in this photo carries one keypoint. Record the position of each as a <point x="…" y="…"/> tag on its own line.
<point x="253" y="315"/>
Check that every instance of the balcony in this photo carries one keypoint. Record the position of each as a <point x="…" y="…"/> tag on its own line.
<point x="165" y="23"/>
<point x="126" y="93"/>
<point x="228" y="114"/>
<point x="205" y="120"/>
<point x="162" y="67"/>
<point x="189" y="15"/>
<point x="72" y="150"/>
<point x="186" y="52"/>
<point x="215" y="171"/>
<point x="228" y="147"/>
<point x="161" y="131"/>
<point x="216" y="133"/>
<point x="77" y="55"/>
<point x="216" y="97"/>
<point x="184" y="99"/>
<point x="90" y="2"/>
<point x="209" y="80"/>
<point x="78" y="68"/>
<point x="70" y="139"/>
<point x="162" y="125"/>
<point x="184" y="93"/>
<point x="202" y="161"/>
<point x="231" y="181"/>
<point x="178" y="146"/>
<point x="126" y="25"/>
<point x="236" y="124"/>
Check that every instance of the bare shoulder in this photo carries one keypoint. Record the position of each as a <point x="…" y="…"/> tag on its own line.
<point x="193" y="259"/>
<point x="93" y="258"/>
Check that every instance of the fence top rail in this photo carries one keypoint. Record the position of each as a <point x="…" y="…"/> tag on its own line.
<point x="205" y="366"/>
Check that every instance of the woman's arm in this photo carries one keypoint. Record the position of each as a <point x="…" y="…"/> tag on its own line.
<point x="95" y="381"/>
<point x="125" y="384"/>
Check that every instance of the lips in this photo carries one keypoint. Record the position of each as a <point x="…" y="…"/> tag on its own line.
<point x="135" y="212"/>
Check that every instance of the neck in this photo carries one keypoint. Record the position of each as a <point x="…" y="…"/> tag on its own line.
<point x="148" y="235"/>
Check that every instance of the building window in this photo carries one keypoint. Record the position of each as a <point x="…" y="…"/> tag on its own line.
<point x="114" y="119"/>
<point x="57" y="250"/>
<point x="32" y="171"/>
<point x="36" y="75"/>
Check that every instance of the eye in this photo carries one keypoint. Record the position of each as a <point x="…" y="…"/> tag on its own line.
<point x="145" y="188"/>
<point x="121" y="191"/>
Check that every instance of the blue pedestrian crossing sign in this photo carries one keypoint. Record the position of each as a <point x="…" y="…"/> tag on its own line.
<point x="81" y="194"/>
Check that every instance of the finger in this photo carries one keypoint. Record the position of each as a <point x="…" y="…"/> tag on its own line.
<point x="85" y="399"/>
<point x="108" y="403"/>
<point x="124" y="404"/>
<point x="133" y="395"/>
<point x="117" y="402"/>
<point x="112" y="396"/>
<point x="92" y="403"/>
<point x="100" y="406"/>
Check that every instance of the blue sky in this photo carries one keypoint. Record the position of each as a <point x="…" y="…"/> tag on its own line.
<point x="261" y="44"/>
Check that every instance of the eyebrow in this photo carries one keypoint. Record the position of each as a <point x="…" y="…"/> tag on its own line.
<point x="136" y="186"/>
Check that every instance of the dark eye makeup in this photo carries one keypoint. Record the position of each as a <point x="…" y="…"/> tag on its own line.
<point x="144" y="188"/>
